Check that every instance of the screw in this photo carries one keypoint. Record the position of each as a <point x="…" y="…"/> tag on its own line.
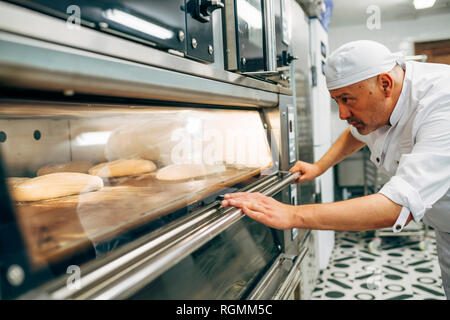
<point x="181" y="35"/>
<point x="210" y="49"/>
<point x="194" y="43"/>
<point x="15" y="275"/>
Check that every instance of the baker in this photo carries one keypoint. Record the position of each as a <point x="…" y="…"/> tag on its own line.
<point x="401" y="111"/>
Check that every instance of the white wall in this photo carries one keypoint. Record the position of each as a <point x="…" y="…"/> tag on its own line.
<point x="396" y="35"/>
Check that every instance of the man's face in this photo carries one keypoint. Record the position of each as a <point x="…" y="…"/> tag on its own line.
<point x="363" y="105"/>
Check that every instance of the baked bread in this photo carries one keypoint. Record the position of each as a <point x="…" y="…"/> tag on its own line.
<point x="73" y="166"/>
<point x="14" y="181"/>
<point x="55" y="185"/>
<point x="122" y="167"/>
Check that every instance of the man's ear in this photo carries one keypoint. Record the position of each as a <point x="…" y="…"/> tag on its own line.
<point x="386" y="83"/>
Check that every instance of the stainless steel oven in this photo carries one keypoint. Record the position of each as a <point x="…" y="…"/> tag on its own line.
<point x="114" y="158"/>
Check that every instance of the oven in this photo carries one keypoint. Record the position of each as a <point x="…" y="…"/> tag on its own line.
<point x="115" y="156"/>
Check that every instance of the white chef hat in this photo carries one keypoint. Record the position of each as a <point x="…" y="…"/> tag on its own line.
<point x="357" y="61"/>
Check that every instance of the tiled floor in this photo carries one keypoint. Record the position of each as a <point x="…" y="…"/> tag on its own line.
<point x="398" y="271"/>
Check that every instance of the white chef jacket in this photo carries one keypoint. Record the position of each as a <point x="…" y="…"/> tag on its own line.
<point x="415" y="148"/>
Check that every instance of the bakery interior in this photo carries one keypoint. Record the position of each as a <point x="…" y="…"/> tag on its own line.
<point x="123" y="124"/>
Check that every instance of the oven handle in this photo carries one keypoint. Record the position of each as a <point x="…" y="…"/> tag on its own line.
<point x="130" y="282"/>
<point x="292" y="279"/>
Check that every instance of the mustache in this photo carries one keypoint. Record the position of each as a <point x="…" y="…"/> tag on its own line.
<point x="354" y="120"/>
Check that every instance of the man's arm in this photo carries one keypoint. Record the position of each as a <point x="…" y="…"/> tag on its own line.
<point x="343" y="147"/>
<point x="364" y="213"/>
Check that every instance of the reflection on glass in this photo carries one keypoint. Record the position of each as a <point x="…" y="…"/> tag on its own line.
<point x="151" y="162"/>
<point x="138" y="24"/>
<point x="250" y="34"/>
<point x="250" y="11"/>
<point x="250" y="21"/>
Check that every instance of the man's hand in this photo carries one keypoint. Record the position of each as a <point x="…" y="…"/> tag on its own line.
<point x="262" y="208"/>
<point x="307" y="171"/>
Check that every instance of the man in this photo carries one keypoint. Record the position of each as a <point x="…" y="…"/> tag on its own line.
<point x="401" y="111"/>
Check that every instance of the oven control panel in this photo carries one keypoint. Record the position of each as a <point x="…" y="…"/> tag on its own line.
<point x="291" y="133"/>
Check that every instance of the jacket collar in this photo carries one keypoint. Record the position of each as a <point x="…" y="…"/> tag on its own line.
<point x="401" y="102"/>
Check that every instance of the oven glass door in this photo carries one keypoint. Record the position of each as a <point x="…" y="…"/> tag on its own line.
<point x="161" y="23"/>
<point x="282" y="30"/>
<point x="228" y="267"/>
<point x="86" y="179"/>
<point x="250" y="35"/>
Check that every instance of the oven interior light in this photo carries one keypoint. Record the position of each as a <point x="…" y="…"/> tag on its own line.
<point x="423" y="4"/>
<point x="250" y="14"/>
<point x="138" y="24"/>
<point x="92" y="138"/>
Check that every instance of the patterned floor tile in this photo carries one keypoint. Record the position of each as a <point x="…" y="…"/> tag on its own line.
<point x="399" y="270"/>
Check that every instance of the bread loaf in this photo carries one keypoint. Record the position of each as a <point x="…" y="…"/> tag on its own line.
<point x="14" y="181"/>
<point x="74" y="166"/>
<point x="184" y="171"/>
<point x="55" y="185"/>
<point x="123" y="167"/>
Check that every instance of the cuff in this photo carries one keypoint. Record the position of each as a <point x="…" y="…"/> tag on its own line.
<point x="402" y="193"/>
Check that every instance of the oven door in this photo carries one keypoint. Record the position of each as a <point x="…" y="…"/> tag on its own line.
<point x="257" y="37"/>
<point x="250" y="35"/>
<point x="177" y="25"/>
<point x="141" y="230"/>
<point x="215" y="254"/>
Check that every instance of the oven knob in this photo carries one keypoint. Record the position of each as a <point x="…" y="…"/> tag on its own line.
<point x="287" y="58"/>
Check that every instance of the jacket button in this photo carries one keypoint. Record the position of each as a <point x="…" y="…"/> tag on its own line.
<point x="378" y="159"/>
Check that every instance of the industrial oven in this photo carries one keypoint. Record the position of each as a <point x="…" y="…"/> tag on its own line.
<point x="178" y="102"/>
